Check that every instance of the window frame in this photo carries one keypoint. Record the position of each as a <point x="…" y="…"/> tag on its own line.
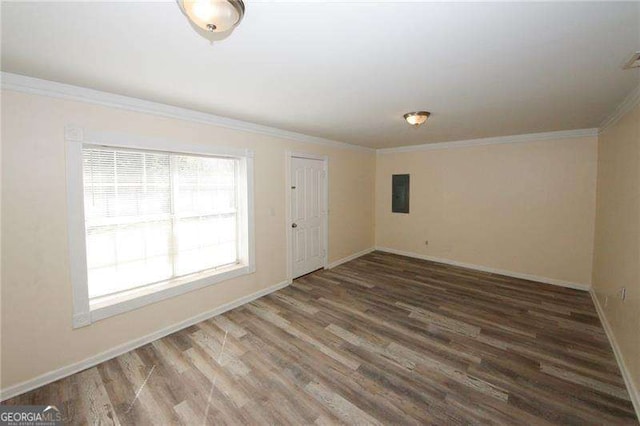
<point x="86" y="311"/>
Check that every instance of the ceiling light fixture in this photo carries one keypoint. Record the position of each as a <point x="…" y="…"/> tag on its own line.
<point x="214" y="16"/>
<point x="416" y="118"/>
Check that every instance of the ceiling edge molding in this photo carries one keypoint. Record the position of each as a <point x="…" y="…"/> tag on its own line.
<point x="629" y="102"/>
<point x="36" y="86"/>
<point x="531" y="137"/>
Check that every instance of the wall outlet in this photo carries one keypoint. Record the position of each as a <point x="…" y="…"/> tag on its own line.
<point x="426" y="243"/>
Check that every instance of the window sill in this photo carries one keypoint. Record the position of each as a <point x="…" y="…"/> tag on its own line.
<point x="107" y="306"/>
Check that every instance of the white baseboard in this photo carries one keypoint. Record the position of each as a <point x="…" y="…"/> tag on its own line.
<point x="529" y="277"/>
<point x="68" y="370"/>
<point x="626" y="375"/>
<point x="349" y="258"/>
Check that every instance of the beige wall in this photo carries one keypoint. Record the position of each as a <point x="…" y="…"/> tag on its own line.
<point x="36" y="292"/>
<point x="617" y="242"/>
<point x="524" y="207"/>
<point x="527" y="208"/>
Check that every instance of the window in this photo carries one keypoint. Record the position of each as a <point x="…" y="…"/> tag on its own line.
<point x="155" y="223"/>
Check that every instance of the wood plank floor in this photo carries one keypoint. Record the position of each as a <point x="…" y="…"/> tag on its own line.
<point x="383" y="339"/>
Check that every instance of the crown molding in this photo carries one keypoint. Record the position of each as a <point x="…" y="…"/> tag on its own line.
<point x="36" y="86"/>
<point x="531" y="137"/>
<point x="630" y="102"/>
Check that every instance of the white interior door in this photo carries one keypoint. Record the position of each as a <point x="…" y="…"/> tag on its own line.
<point x="308" y="212"/>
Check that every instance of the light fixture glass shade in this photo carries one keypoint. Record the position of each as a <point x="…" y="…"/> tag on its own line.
<point x="213" y="15"/>
<point x="416" y="118"/>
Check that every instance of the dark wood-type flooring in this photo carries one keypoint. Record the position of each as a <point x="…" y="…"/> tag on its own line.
<point x="383" y="339"/>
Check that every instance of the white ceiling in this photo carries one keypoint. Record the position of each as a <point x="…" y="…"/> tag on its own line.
<point x="347" y="71"/>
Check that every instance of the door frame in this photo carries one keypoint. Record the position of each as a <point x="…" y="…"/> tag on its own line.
<point x="289" y="155"/>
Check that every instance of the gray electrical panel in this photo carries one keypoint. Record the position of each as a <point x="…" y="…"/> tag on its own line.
<point x="400" y="194"/>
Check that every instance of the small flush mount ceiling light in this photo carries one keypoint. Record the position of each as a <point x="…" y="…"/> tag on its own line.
<point x="416" y="118"/>
<point x="214" y="16"/>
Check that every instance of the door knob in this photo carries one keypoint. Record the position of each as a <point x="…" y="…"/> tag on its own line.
<point x="294" y="225"/>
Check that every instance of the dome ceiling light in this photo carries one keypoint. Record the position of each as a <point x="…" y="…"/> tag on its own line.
<point x="213" y="16"/>
<point x="416" y="118"/>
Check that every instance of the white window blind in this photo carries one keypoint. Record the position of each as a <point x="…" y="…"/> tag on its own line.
<point x="152" y="216"/>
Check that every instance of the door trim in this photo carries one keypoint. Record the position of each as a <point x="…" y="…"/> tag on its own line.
<point x="288" y="156"/>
